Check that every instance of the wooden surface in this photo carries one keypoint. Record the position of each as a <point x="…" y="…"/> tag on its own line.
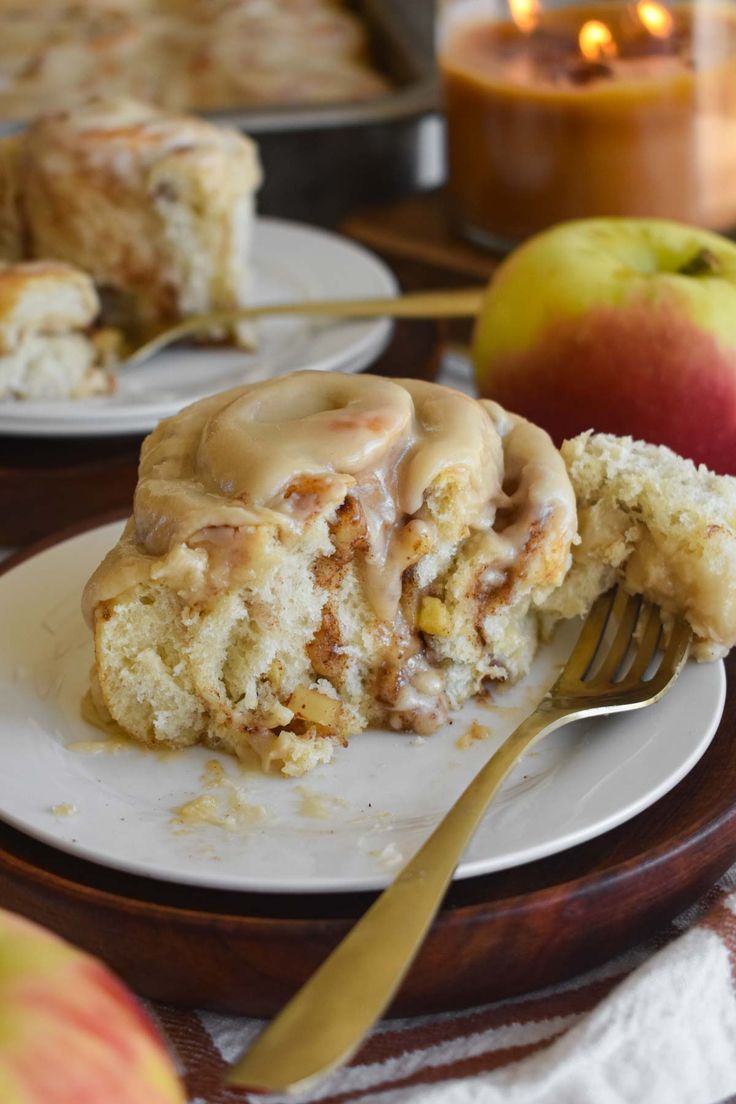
<point x="498" y="935"/>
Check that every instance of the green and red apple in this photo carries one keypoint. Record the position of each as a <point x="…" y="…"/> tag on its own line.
<point x="625" y="326"/>
<point x="70" y="1033"/>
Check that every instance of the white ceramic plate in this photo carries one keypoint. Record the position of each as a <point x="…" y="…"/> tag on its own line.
<point x="291" y="262"/>
<point x="347" y="826"/>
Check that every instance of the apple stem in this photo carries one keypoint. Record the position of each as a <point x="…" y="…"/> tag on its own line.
<point x="702" y="263"/>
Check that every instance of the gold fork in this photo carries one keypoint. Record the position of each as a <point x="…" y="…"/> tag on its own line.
<point x="457" y="303"/>
<point x="323" y="1025"/>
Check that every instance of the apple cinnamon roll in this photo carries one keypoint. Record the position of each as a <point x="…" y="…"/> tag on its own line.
<point x="295" y="52"/>
<point x="319" y="553"/>
<point x="55" y="58"/>
<point x="157" y="207"/>
<point x="182" y="54"/>
<point x="47" y="347"/>
<point x="659" y="525"/>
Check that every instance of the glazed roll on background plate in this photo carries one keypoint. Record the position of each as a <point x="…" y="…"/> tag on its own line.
<point x="157" y="208"/>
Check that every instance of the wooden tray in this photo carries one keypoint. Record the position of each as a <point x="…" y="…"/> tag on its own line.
<point x="498" y="935"/>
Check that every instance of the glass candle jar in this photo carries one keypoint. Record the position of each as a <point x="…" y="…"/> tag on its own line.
<point x="559" y="111"/>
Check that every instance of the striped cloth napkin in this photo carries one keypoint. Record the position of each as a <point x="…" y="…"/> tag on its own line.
<point x="655" y="1026"/>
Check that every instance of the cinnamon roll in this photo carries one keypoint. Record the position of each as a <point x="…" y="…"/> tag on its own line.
<point x="156" y="207"/>
<point x="181" y="54"/>
<point x="46" y="349"/>
<point x="289" y="52"/>
<point x="56" y="59"/>
<point x="318" y="553"/>
<point x="662" y="527"/>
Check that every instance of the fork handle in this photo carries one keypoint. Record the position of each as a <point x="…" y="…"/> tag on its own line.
<point x="453" y="303"/>
<point x="325" y="1022"/>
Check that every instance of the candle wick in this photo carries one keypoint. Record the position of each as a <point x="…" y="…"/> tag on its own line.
<point x="583" y="71"/>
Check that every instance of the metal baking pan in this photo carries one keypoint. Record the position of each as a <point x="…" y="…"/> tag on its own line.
<point x="322" y="161"/>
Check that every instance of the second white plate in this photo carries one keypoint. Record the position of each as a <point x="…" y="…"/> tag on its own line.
<point x="347" y="826"/>
<point x="291" y="262"/>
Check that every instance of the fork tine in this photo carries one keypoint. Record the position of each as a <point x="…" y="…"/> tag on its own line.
<point x="625" y="613"/>
<point x="589" y="640"/>
<point x="675" y="654"/>
<point x="647" y="645"/>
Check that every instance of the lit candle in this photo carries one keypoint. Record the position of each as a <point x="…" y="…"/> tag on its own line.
<point x="612" y="109"/>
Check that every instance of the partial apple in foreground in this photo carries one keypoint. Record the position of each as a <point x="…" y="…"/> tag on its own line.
<point x="69" y="1031"/>
<point x="625" y="326"/>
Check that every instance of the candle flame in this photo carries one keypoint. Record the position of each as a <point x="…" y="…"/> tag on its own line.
<point x="596" y="41"/>
<point x="657" y="20"/>
<point x="525" y="14"/>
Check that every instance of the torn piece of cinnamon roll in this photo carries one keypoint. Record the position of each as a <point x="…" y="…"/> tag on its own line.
<point x="323" y="552"/>
<point x="48" y="349"/>
<point x="660" y="526"/>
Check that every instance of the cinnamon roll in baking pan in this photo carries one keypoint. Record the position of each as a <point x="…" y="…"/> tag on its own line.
<point x="181" y="54"/>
